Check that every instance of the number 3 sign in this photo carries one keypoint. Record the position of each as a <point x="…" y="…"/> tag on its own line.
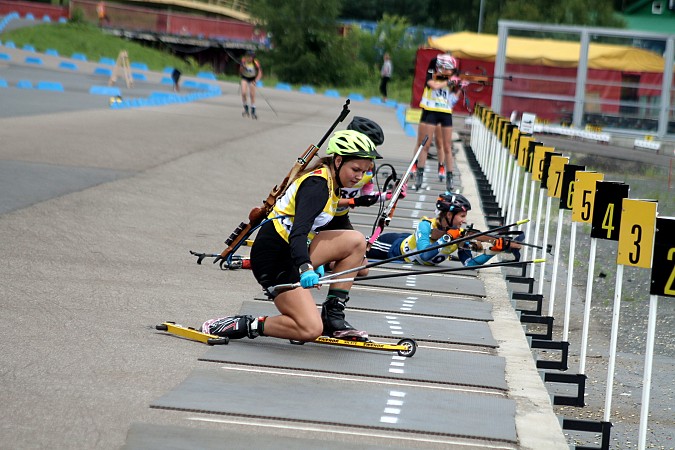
<point x="636" y="236"/>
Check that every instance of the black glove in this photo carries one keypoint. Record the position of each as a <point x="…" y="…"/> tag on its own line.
<point x="365" y="200"/>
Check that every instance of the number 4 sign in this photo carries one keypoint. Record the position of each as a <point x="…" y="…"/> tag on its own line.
<point x="636" y="236"/>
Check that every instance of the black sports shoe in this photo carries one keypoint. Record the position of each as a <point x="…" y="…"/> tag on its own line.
<point x="449" y="185"/>
<point x="334" y="323"/>
<point x="234" y="327"/>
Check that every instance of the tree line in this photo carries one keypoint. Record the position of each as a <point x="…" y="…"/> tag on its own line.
<point x="309" y="45"/>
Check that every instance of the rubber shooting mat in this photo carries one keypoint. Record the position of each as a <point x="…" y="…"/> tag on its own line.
<point x="398" y="326"/>
<point x="429" y="365"/>
<point x="145" y="436"/>
<point x="418" y="303"/>
<point x="305" y="398"/>
<point x="444" y="283"/>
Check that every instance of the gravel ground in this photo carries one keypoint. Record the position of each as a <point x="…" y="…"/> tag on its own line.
<point x="646" y="182"/>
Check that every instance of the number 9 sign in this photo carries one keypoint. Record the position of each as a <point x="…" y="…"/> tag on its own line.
<point x="636" y="236"/>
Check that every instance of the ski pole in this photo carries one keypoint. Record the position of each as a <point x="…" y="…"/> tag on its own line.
<point x="386" y="215"/>
<point x="417" y="252"/>
<point x="325" y="281"/>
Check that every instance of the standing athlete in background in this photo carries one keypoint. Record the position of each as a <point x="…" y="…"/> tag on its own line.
<point x="440" y="95"/>
<point x="385" y="75"/>
<point x="250" y="72"/>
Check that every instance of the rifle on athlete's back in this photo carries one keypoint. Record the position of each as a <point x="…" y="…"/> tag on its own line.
<point x="258" y="214"/>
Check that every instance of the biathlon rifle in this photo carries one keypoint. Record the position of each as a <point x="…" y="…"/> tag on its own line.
<point x="258" y="214"/>
<point x="479" y="80"/>
<point x="385" y="216"/>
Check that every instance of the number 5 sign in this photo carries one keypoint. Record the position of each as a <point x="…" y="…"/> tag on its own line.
<point x="636" y="236"/>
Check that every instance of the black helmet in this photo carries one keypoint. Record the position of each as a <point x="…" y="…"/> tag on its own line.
<point x="452" y="203"/>
<point x="367" y="127"/>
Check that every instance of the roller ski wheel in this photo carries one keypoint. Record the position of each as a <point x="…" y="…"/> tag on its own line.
<point x="411" y="347"/>
<point x="245" y="114"/>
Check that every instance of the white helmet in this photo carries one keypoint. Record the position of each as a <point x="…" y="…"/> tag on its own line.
<point x="445" y="63"/>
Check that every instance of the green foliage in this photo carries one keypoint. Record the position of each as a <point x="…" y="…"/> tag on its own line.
<point x="306" y="44"/>
<point x="77" y="17"/>
<point x="87" y="39"/>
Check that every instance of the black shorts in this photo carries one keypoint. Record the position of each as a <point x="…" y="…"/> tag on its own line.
<point x="271" y="261"/>
<point x="435" y="118"/>
<point x="248" y="80"/>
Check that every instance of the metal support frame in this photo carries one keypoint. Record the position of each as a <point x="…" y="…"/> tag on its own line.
<point x="526" y="296"/>
<point x="546" y="344"/>
<point x="590" y="427"/>
<point x="542" y="320"/>
<point x="567" y="378"/>
<point x="585" y="33"/>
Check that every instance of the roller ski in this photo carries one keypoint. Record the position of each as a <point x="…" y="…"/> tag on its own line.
<point x="404" y="347"/>
<point x="192" y="334"/>
<point x="254" y="116"/>
<point x="245" y="113"/>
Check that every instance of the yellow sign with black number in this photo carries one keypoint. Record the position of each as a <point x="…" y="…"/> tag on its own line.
<point x="555" y="175"/>
<point x="538" y="163"/>
<point x="636" y="236"/>
<point x="583" y="199"/>
<point x="515" y="137"/>
<point x="523" y="145"/>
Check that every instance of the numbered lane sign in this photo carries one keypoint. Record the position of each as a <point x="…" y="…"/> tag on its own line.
<point x="663" y="267"/>
<point x="636" y="236"/>
<point x="606" y="220"/>
<point x="508" y="135"/>
<point x="546" y="168"/>
<point x="530" y="155"/>
<point x="522" y="149"/>
<point x="584" y="196"/>
<point x="555" y="174"/>
<point x="568" y="181"/>
<point x="538" y="161"/>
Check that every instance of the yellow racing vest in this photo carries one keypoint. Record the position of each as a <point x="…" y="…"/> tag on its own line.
<point x="439" y="100"/>
<point x="285" y="206"/>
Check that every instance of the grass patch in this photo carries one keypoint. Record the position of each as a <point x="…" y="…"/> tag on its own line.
<point x="87" y="39"/>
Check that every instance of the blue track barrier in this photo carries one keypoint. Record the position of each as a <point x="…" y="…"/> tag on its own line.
<point x="105" y="90"/>
<point x="50" y="86"/>
<point x="67" y="65"/>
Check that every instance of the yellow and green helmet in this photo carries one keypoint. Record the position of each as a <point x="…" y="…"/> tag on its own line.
<point x="352" y="143"/>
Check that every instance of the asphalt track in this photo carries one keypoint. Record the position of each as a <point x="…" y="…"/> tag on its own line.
<point x="100" y="208"/>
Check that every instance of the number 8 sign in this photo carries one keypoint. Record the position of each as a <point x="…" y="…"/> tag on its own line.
<point x="636" y="236"/>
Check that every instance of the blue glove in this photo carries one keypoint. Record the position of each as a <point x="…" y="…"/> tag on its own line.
<point x="320" y="270"/>
<point x="309" y="279"/>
